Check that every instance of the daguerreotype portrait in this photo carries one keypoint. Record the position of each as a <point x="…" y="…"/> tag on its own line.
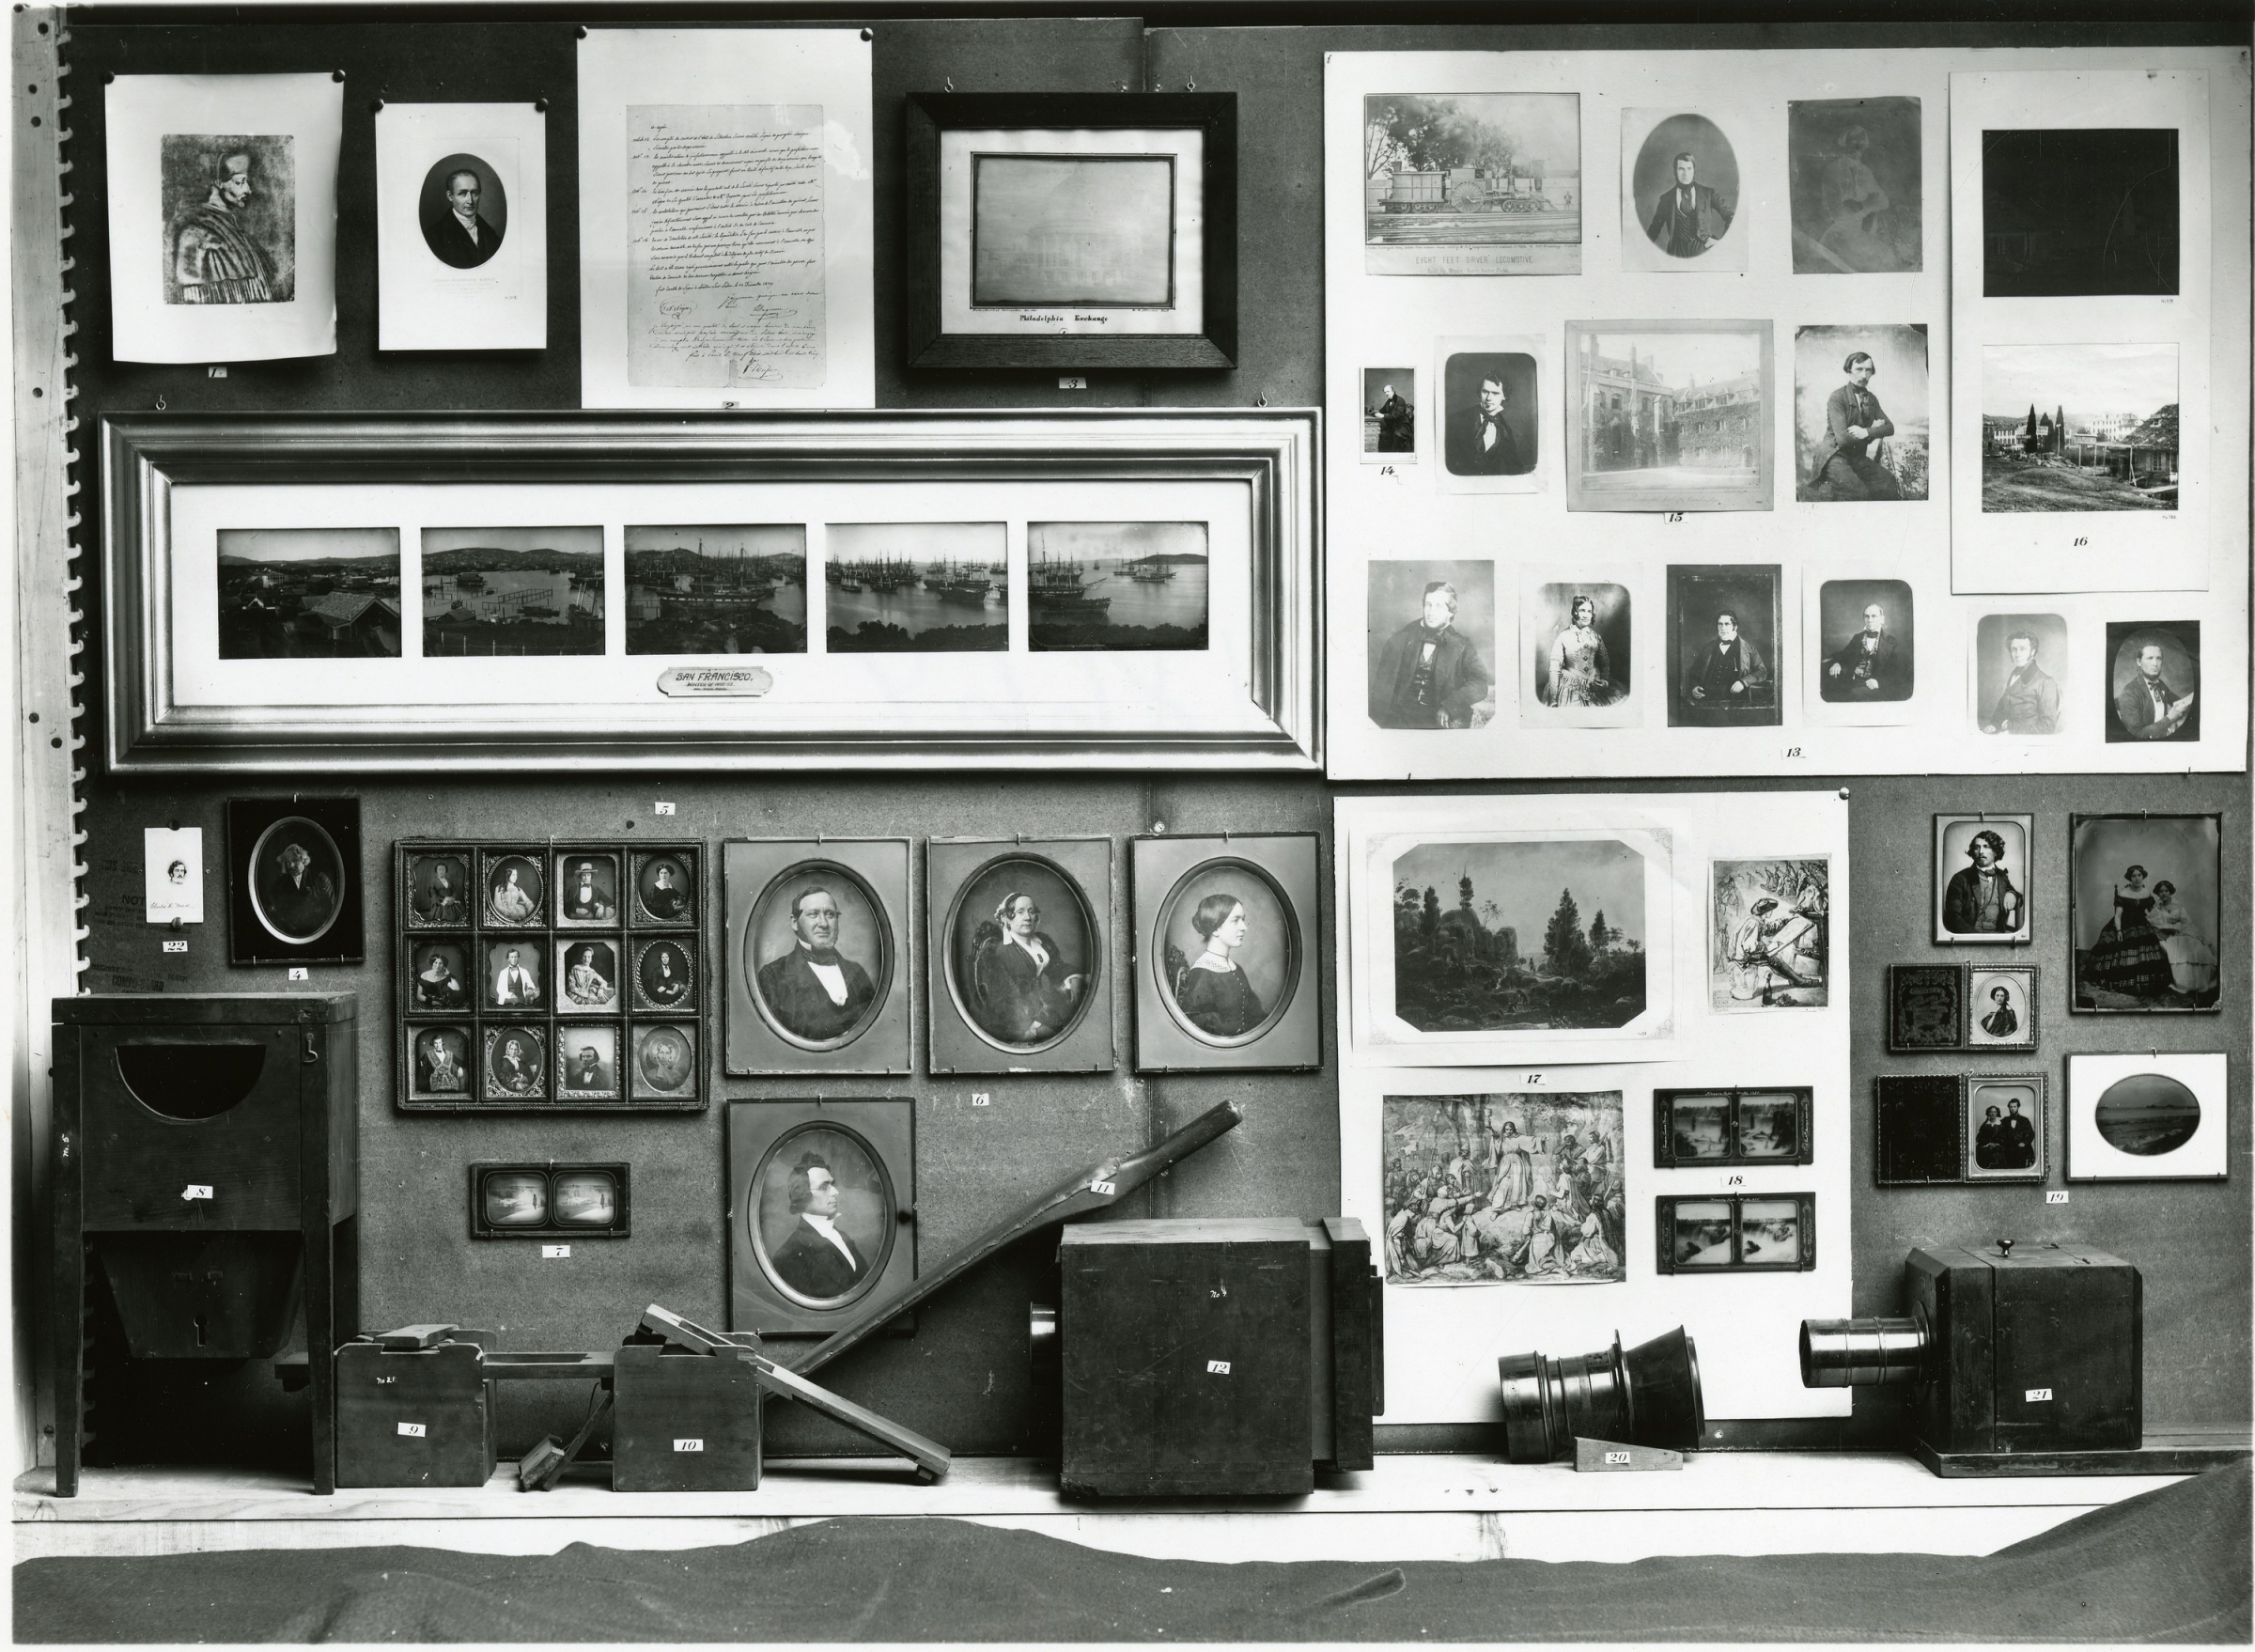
<point x="1116" y="584"/>
<point x="1431" y="643"/>
<point x="588" y="970"/>
<point x="1019" y="961"/>
<point x="1514" y="1188"/>
<point x="2008" y="1132"/>
<point x="515" y="1067"/>
<point x="822" y="1195"/>
<point x="439" y="978"/>
<point x="1490" y="412"/>
<point x="2078" y="211"/>
<point x="1697" y="1128"/>
<point x="512" y="591"/>
<point x="1226" y="952"/>
<point x="1473" y="183"/>
<point x="308" y="593"/>
<point x="1865" y="644"/>
<point x="588" y="1061"/>
<point x="1744" y="1233"/>
<point x="664" y="1061"/>
<point x="2144" y="896"/>
<point x="1859" y="185"/>
<point x="586" y="890"/>
<point x="665" y="975"/>
<point x="463" y="211"/>
<point x="1981" y="878"/>
<point x="1918" y="1130"/>
<point x="1926" y="1007"/>
<point x="665" y="888"/>
<point x="818" y="945"/>
<point x="2154" y="681"/>
<point x="1723" y="627"/>
<point x="439" y="1063"/>
<point x="1768" y="934"/>
<point x="2078" y="427"/>
<point x="516" y="892"/>
<point x="230" y="219"/>
<point x="1577" y="643"/>
<point x="1669" y="415"/>
<point x="2019" y="660"/>
<point x="2001" y="1007"/>
<point x="1681" y="205"/>
<point x="1389" y="421"/>
<point x="2155" y="1117"/>
<point x="515" y="974"/>
<point x="1860" y="426"/>
<point x="294" y="881"/>
<point x="717" y="589"/>
<point x="543" y="1201"/>
<point x="921" y="587"/>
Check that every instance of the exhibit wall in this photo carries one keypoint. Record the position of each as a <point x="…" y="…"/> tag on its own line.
<point x="984" y="1144"/>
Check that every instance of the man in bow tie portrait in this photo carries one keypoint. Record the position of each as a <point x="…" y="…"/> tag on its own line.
<point x="2030" y="700"/>
<point x="1688" y="217"/>
<point x="1488" y="436"/>
<point x="1725" y="679"/>
<point x="2148" y="705"/>
<point x="818" y="1259"/>
<point x="813" y="990"/>
<point x="457" y="232"/>
<point x="1870" y="666"/>
<point x="1429" y="674"/>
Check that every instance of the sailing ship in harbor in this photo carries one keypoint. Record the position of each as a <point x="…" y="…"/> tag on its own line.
<point x="957" y="583"/>
<point x="1150" y="572"/>
<point x="1061" y="591"/>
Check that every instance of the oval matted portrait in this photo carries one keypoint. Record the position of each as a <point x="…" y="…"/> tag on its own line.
<point x="1685" y="186"/>
<point x="664" y="890"/>
<point x="463" y="211"/>
<point x="665" y="976"/>
<point x="516" y="1062"/>
<point x="296" y="880"/>
<point x="1021" y="953"/>
<point x="515" y="890"/>
<point x="819" y="954"/>
<point x="1230" y="952"/>
<point x="821" y="1215"/>
<point x="664" y="1061"/>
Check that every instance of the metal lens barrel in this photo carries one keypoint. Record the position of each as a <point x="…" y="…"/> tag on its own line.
<point x="1648" y="1396"/>
<point x="1862" y="1354"/>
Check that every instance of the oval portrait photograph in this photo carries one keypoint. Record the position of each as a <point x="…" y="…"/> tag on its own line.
<point x="465" y="210"/>
<point x="515" y="891"/>
<point x="516" y="1062"/>
<point x="664" y="890"/>
<point x="1021" y="953"/>
<point x="819" y="953"/>
<point x="1685" y="186"/>
<point x="664" y="1061"/>
<point x="665" y="977"/>
<point x="438" y="892"/>
<point x="1230" y="951"/>
<point x="296" y="880"/>
<point x="821" y="1216"/>
<point x="2148" y="1114"/>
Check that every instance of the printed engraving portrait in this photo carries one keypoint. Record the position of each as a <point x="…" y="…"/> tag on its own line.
<point x="296" y="880"/>
<point x="1430" y="637"/>
<point x="442" y="1062"/>
<point x="1022" y="955"/>
<point x="2155" y="681"/>
<point x="821" y="1215"/>
<point x="1230" y="951"/>
<point x="664" y="1061"/>
<point x="588" y="889"/>
<point x="587" y="1062"/>
<point x="589" y="970"/>
<point x="666" y="890"/>
<point x="516" y="1064"/>
<point x="665" y="976"/>
<point x="438" y="892"/>
<point x="516" y="893"/>
<point x="1768" y="944"/>
<point x="2018" y="661"/>
<point x="513" y="974"/>
<point x="230" y="208"/>
<point x="1857" y="181"/>
<point x="442" y="978"/>
<point x="819" y="949"/>
<point x="463" y="211"/>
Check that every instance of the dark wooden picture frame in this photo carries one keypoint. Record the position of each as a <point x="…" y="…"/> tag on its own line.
<point x="1926" y="1006"/>
<point x="1163" y="871"/>
<point x="1667" y="1155"/>
<point x="882" y="1128"/>
<point x="1803" y="1260"/>
<point x="874" y="872"/>
<point x="1214" y="114"/>
<point x="958" y="874"/>
<point x="262" y="830"/>
<point x="551" y="1228"/>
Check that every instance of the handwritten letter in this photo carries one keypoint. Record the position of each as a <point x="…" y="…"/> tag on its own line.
<point x="725" y="257"/>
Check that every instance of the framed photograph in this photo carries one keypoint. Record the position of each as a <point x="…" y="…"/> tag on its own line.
<point x="1389" y="418"/>
<point x="1226" y="948"/>
<point x="1670" y="415"/>
<point x="1926" y="1006"/>
<point x="1018" y="954"/>
<point x="1693" y="1130"/>
<point x="2154" y="1117"/>
<point x="817" y="949"/>
<point x="293" y="880"/>
<point x="1522" y="1189"/>
<point x="1064" y="230"/>
<point x="514" y="973"/>
<point x="1724" y="628"/>
<point x="2153" y="675"/>
<point x="2117" y="452"/>
<point x="2018" y="662"/>
<point x="665" y="974"/>
<point x="549" y="1201"/>
<point x="2144" y="904"/>
<point x="2007" y="1129"/>
<point x="1738" y="1233"/>
<point x="663" y="1061"/>
<point x="588" y="889"/>
<point x="1859" y="184"/>
<point x="1473" y="183"/>
<point x="1681" y="201"/>
<point x="1577" y="640"/>
<point x="1861" y="431"/>
<point x="821" y="1210"/>
<point x="1491" y="414"/>
<point x="514" y="887"/>
<point x="1919" y="1129"/>
<point x="437" y="889"/>
<point x="1981" y="873"/>
<point x="588" y="1061"/>
<point x="1431" y="631"/>
<point x="438" y="977"/>
<point x="1861" y="640"/>
<point x="666" y="889"/>
<point x="1769" y="934"/>
<point x="515" y="1062"/>
<point x="2001" y="1007"/>
<point x="588" y="970"/>
<point x="439" y="1062"/>
<point x="934" y="532"/>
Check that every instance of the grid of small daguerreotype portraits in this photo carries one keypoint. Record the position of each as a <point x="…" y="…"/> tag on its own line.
<point x="549" y="975"/>
<point x="1737" y="1233"/>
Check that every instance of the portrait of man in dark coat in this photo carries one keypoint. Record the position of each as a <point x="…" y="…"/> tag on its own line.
<point x="456" y="231"/>
<point x="813" y="990"/>
<point x="1691" y="217"/>
<point x="1429" y="674"/>
<point x="818" y="1259"/>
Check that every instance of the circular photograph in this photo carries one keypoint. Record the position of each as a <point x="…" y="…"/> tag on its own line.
<point x="2155" y="681"/>
<point x="665" y="890"/>
<point x="819" y="953"/>
<point x="438" y="892"/>
<point x="442" y="1062"/>
<point x="588" y="889"/>
<point x="590" y="972"/>
<point x="441" y="977"/>
<point x="664" y="1061"/>
<point x="515" y="1198"/>
<point x="821" y="1216"/>
<point x="516" y="1062"/>
<point x="1231" y="950"/>
<point x="515" y="891"/>
<point x="665" y="975"/>
<point x="1685" y="185"/>
<point x="464" y="209"/>
<point x="296" y="880"/>
<point x="2148" y="1114"/>
<point x="1021" y="953"/>
<point x="586" y="1198"/>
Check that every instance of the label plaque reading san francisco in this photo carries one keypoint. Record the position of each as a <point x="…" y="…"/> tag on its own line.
<point x="728" y="681"/>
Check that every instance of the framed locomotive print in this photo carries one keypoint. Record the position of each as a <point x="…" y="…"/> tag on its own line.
<point x="1018" y="954"/>
<point x="821" y="1210"/>
<point x="1692" y="1129"/>
<point x="540" y="975"/>
<point x="818" y="950"/>
<point x="1225" y="953"/>
<point x="549" y="1201"/>
<point x="293" y="880"/>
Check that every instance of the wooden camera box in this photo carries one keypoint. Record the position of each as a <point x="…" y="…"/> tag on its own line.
<point x="685" y="1422"/>
<point x="1216" y="1358"/>
<point x="415" y="1416"/>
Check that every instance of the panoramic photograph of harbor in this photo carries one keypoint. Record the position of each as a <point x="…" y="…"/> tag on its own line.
<point x="917" y="587"/>
<point x="1116" y="584"/>
<point x="308" y="593"/>
<point x="717" y="589"/>
<point x="512" y="591"/>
